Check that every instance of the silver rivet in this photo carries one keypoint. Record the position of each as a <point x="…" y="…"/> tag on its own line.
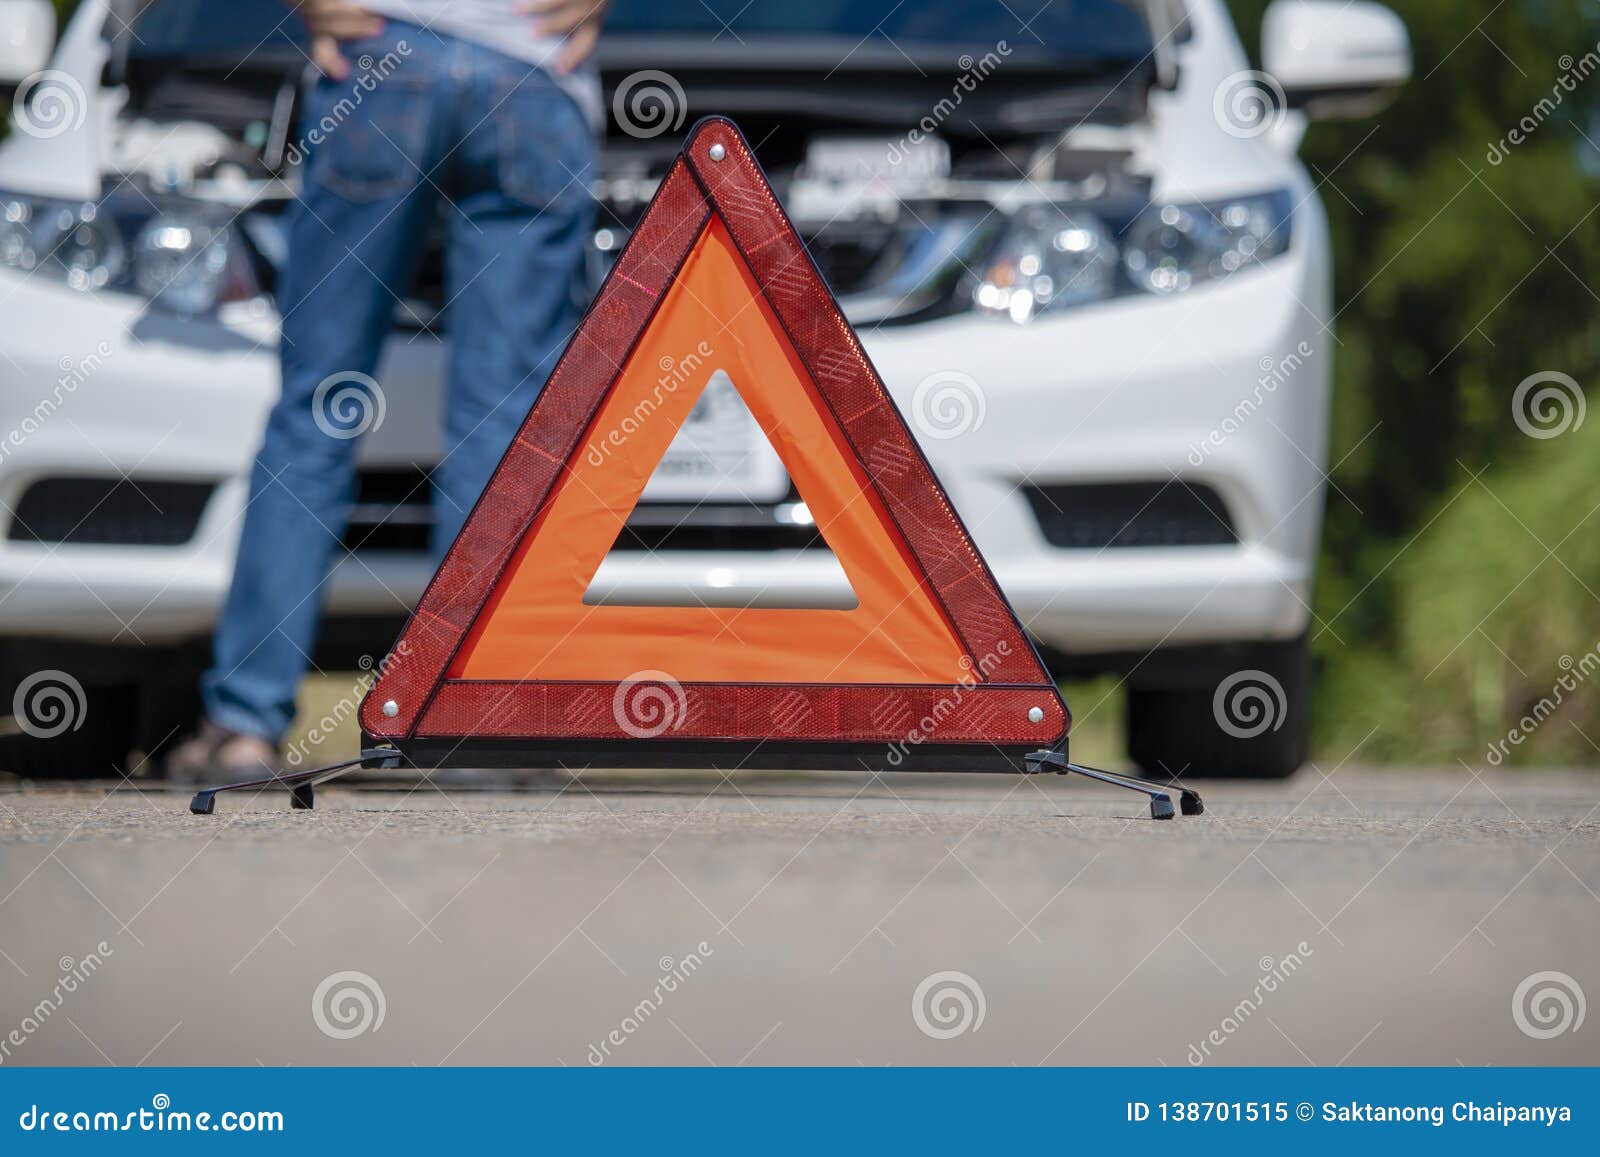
<point x="1036" y="715"/>
<point x="717" y="152"/>
<point x="391" y="709"/>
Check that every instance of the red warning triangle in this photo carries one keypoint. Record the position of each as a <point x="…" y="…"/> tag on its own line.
<point x="504" y="659"/>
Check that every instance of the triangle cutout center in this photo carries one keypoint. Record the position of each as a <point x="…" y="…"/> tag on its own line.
<point x="721" y="483"/>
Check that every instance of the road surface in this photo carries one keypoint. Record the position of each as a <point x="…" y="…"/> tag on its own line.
<point x="1348" y="916"/>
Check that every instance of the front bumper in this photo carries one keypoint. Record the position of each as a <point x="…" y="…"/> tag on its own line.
<point x="1156" y="390"/>
<point x="97" y="385"/>
<point x="1134" y="389"/>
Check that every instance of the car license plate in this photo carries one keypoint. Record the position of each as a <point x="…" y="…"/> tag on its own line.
<point x="857" y="160"/>
<point x="720" y="453"/>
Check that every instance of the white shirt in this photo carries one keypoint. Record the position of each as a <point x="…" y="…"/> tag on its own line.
<point x="497" y="25"/>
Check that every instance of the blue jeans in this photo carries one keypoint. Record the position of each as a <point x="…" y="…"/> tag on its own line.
<point x="503" y="156"/>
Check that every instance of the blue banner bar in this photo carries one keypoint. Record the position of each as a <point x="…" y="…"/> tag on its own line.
<point x="815" y="1111"/>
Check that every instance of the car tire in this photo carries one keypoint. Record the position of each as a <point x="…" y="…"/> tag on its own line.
<point x="1251" y="723"/>
<point x="169" y="712"/>
<point x="98" y="747"/>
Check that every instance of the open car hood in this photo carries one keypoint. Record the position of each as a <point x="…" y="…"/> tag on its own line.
<point x="1010" y="93"/>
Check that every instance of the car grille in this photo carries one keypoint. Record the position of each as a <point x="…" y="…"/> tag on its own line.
<point x="109" y="511"/>
<point x="852" y="260"/>
<point x="393" y="512"/>
<point x="662" y="526"/>
<point x="1105" y="515"/>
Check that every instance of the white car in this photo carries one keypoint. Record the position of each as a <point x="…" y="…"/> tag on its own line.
<point x="1080" y="250"/>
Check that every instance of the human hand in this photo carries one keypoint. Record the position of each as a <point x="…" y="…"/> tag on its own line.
<point x="575" y="22"/>
<point x="330" y="22"/>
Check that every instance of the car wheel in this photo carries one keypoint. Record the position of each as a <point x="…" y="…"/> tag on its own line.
<point x="1252" y="722"/>
<point x="87" y="735"/>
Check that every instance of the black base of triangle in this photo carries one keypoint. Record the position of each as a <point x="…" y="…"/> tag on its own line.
<point x="678" y="754"/>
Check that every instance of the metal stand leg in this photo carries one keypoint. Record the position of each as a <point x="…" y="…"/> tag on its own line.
<point x="1160" y="798"/>
<point x="301" y="784"/>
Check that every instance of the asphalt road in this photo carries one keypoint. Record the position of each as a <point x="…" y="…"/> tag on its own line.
<point x="1353" y="916"/>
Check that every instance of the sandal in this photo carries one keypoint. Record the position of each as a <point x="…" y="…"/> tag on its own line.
<point x="216" y="752"/>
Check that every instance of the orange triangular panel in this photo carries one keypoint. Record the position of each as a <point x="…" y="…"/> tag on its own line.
<point x="536" y="625"/>
<point x="503" y="649"/>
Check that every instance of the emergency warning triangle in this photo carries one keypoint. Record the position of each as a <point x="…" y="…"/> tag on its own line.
<point x="505" y="662"/>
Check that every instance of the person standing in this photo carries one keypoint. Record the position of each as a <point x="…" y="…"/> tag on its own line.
<point x="488" y="117"/>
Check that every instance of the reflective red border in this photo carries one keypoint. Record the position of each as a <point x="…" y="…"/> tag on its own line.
<point x="1011" y="681"/>
<point x="978" y="713"/>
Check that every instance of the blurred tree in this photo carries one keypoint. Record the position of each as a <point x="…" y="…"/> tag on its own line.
<point x="1456" y="558"/>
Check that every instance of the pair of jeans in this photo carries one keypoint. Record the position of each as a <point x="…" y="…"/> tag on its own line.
<point x="427" y="131"/>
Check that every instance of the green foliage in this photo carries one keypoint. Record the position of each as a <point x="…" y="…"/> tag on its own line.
<point x="1458" y="275"/>
<point x="1495" y="606"/>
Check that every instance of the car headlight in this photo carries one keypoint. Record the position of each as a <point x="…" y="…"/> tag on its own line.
<point x="184" y="256"/>
<point x="1050" y="258"/>
<point x="1058" y="257"/>
<point x="83" y="246"/>
<point x="19" y="236"/>
<point x="1171" y="247"/>
<point x="183" y="263"/>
